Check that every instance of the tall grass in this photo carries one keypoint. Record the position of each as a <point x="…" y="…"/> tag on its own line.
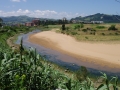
<point x="24" y="71"/>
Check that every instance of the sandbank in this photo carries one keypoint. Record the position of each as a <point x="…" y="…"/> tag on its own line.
<point x="97" y="53"/>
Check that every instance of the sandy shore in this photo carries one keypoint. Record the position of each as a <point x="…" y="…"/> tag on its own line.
<point x="99" y="53"/>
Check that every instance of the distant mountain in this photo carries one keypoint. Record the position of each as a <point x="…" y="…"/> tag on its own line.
<point x="99" y="17"/>
<point x="19" y="19"/>
<point x="96" y="17"/>
<point x="16" y="19"/>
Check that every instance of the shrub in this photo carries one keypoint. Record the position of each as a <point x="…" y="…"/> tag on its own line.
<point x="110" y="33"/>
<point x="103" y="34"/>
<point x="93" y="30"/>
<point x="86" y="37"/>
<point x="84" y="30"/>
<point x="62" y="32"/>
<point x="67" y="33"/>
<point x="79" y="26"/>
<point x="116" y="34"/>
<point x="82" y="73"/>
<point x="100" y="27"/>
<point x="91" y="33"/>
<point x="73" y="33"/>
<point x="112" y="27"/>
<point x="67" y="28"/>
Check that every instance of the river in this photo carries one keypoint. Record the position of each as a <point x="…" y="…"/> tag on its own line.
<point x="64" y="60"/>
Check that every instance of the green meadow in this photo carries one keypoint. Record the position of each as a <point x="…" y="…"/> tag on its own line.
<point x="92" y="32"/>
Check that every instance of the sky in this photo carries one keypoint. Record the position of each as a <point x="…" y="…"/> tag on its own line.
<point x="58" y="9"/>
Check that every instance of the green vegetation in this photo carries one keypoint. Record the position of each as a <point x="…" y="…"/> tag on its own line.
<point x="100" y="27"/>
<point x="1" y="22"/>
<point x="26" y="70"/>
<point x="94" y="32"/>
<point x="112" y="27"/>
<point x="78" y="26"/>
<point x="63" y="27"/>
<point x="99" y="17"/>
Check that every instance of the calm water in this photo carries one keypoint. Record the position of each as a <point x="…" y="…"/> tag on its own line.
<point x="65" y="60"/>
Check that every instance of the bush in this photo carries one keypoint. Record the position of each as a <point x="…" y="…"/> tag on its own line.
<point x="110" y="33"/>
<point x="82" y="73"/>
<point x="73" y="33"/>
<point x="84" y="30"/>
<point x="86" y="37"/>
<point x="79" y="26"/>
<point x="93" y="30"/>
<point x="103" y="34"/>
<point x="116" y="34"/>
<point x="100" y="27"/>
<point x="67" y="28"/>
<point x="112" y="27"/>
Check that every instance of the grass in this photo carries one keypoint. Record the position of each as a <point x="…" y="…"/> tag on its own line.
<point x="97" y="38"/>
<point x="93" y="32"/>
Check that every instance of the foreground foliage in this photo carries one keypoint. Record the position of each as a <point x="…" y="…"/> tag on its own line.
<point x="25" y="71"/>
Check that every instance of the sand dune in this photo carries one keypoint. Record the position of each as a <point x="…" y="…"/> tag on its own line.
<point x="100" y="53"/>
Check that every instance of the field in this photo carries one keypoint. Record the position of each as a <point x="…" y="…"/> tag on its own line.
<point x="23" y="69"/>
<point x="92" y="32"/>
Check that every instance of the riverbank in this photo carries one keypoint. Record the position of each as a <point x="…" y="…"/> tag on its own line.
<point x="13" y="44"/>
<point x="106" y="55"/>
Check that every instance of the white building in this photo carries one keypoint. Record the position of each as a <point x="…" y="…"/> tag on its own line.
<point x="97" y="22"/>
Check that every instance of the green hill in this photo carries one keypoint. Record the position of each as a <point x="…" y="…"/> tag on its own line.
<point x="99" y="17"/>
<point x="96" y="17"/>
<point x="16" y="19"/>
<point x="20" y="19"/>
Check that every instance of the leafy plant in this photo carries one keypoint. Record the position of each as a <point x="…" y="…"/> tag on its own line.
<point x="82" y="73"/>
<point x="106" y="85"/>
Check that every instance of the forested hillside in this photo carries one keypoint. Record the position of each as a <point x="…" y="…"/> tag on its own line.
<point x="100" y="17"/>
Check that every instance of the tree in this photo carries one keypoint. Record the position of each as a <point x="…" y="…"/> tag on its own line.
<point x="59" y="21"/>
<point x="1" y="21"/>
<point x="63" y="26"/>
<point x="63" y="23"/>
<point x="81" y="25"/>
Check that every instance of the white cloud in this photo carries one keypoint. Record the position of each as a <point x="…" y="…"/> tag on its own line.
<point x="24" y="0"/>
<point x="40" y="14"/>
<point x="18" y="0"/>
<point x="15" y="0"/>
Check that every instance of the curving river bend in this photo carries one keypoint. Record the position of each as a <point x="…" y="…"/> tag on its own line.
<point x="62" y="59"/>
